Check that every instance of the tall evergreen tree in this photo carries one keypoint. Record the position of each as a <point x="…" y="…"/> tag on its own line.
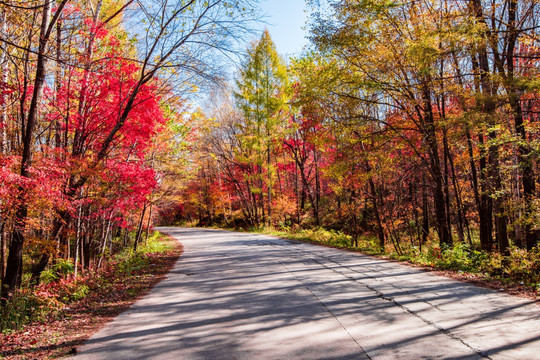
<point x="263" y="93"/>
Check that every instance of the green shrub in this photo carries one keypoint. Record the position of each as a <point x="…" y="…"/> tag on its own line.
<point x="153" y="245"/>
<point x="523" y="265"/>
<point x="59" y="269"/>
<point x="48" y="276"/>
<point x="63" y="267"/>
<point x="80" y="293"/>
<point x="461" y="257"/>
<point x="26" y="306"/>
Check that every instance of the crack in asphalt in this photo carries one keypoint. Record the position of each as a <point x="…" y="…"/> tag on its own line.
<point x="324" y="305"/>
<point x="314" y="257"/>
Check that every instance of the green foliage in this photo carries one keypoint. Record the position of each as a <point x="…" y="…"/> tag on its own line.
<point x="48" y="276"/>
<point x="263" y="84"/>
<point x="128" y="262"/>
<point x="58" y="270"/>
<point x="153" y="245"/>
<point x="27" y="306"/>
<point x="523" y="266"/>
<point x="316" y="235"/>
<point x="323" y="236"/>
<point x="520" y="266"/>
<point x="63" y="267"/>
<point x="459" y="257"/>
<point x="132" y="264"/>
<point x="80" y="293"/>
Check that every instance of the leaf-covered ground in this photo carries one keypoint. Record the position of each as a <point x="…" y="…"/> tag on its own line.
<point x="60" y="336"/>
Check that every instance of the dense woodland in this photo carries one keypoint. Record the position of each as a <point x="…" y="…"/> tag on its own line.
<point x="92" y="123"/>
<point x="407" y="124"/>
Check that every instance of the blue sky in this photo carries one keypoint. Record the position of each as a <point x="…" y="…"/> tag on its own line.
<point x="285" y="21"/>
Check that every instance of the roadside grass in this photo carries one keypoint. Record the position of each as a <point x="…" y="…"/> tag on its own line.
<point x="518" y="273"/>
<point x="49" y="321"/>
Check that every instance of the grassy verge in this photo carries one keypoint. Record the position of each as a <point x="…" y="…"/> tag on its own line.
<point x="52" y="320"/>
<point x="517" y="274"/>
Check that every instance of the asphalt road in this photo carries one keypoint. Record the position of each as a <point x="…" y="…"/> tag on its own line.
<point x="245" y="296"/>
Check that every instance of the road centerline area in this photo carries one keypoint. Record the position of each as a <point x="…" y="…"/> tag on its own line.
<point x="327" y="309"/>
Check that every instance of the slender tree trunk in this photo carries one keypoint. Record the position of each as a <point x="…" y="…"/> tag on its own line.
<point x="78" y="240"/>
<point x="443" y="230"/>
<point x="425" y="212"/>
<point x="486" y="203"/>
<point x="125" y="237"/>
<point x="149" y="222"/>
<point x="498" y="209"/>
<point x="85" y="249"/>
<point x="446" y="182"/>
<point x="105" y="237"/>
<point x="270" y="185"/>
<point x="14" y="262"/>
<point x="58" y="81"/>
<point x="297" y="192"/>
<point x="139" y="228"/>
<point x="317" y="188"/>
<point x="2" y="252"/>
<point x="380" y="230"/>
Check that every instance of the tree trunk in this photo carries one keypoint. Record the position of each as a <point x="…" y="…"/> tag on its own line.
<point x="443" y="230"/>
<point x="446" y="182"/>
<point x="463" y="223"/>
<point x="78" y="240"/>
<point x="149" y="222"/>
<point x="525" y="161"/>
<point x="2" y="252"/>
<point x="380" y="230"/>
<point x="14" y="263"/>
<point x="139" y="228"/>
<point x="498" y="210"/>
<point x="14" y="260"/>
<point x="105" y="235"/>
<point x="425" y="212"/>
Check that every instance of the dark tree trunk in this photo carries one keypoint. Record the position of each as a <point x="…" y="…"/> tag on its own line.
<point x="14" y="262"/>
<point x="443" y="230"/>
<point x="425" y="212"/>
<point x="525" y="161"/>
<point x="498" y="210"/>
<point x="2" y="252"/>
<point x="485" y="210"/>
<point x="38" y="268"/>
<point x="380" y="230"/>
<point x="139" y="228"/>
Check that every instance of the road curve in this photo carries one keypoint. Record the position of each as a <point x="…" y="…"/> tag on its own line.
<point x="247" y="296"/>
